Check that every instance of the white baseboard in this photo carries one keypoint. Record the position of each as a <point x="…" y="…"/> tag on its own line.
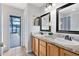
<point x="28" y="51"/>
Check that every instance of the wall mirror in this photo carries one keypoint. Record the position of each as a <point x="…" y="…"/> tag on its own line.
<point x="37" y="21"/>
<point x="68" y="18"/>
<point x="45" y="20"/>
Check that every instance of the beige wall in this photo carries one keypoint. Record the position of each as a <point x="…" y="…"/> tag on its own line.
<point x="7" y="11"/>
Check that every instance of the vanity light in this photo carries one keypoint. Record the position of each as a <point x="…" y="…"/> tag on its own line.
<point x="48" y="6"/>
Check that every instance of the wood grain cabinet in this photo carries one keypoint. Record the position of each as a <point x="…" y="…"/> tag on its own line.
<point x="42" y="48"/>
<point x="35" y="46"/>
<point x="52" y="50"/>
<point x="66" y="53"/>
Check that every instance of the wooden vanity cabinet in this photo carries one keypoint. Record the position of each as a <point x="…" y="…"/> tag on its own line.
<point x="66" y="53"/>
<point x="52" y="50"/>
<point x="42" y="48"/>
<point x="35" y="46"/>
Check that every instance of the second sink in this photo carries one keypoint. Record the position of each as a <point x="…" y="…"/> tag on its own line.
<point x="66" y="42"/>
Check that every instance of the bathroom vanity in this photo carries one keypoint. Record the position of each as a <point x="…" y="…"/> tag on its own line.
<point x="46" y="46"/>
<point x="67" y="21"/>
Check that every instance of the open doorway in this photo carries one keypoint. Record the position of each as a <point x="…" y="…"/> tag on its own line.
<point x="15" y="31"/>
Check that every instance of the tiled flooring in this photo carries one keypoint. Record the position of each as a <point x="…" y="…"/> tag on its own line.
<point x="18" y="51"/>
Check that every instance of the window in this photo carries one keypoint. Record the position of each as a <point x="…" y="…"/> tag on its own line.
<point x="15" y="24"/>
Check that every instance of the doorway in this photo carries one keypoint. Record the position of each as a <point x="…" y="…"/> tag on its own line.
<point x="15" y="31"/>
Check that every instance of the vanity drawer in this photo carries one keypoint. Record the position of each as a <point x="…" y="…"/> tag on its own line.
<point x="42" y="43"/>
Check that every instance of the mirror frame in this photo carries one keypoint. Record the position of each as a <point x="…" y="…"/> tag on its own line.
<point x="41" y="23"/>
<point x="57" y="20"/>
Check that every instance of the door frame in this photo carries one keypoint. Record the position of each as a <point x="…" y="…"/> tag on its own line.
<point x="20" y="24"/>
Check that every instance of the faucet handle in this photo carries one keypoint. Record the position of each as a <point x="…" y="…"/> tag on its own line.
<point x="70" y="39"/>
<point x="67" y="37"/>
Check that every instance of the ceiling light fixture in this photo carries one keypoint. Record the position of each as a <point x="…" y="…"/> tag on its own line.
<point x="48" y="4"/>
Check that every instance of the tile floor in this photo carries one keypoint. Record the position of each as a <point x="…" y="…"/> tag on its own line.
<point x="18" y="51"/>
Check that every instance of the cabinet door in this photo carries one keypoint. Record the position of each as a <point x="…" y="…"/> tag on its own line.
<point x="52" y="50"/>
<point x="66" y="53"/>
<point x="36" y="46"/>
<point x="42" y="51"/>
<point x="42" y="48"/>
<point x="33" y="44"/>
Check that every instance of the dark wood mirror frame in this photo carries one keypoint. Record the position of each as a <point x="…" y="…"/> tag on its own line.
<point x="41" y="23"/>
<point x="57" y="20"/>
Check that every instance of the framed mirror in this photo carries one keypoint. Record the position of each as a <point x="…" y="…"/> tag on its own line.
<point x="37" y="21"/>
<point x="45" y="21"/>
<point x="68" y="18"/>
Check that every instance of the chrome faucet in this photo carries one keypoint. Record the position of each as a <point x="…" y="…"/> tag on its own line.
<point x="67" y="37"/>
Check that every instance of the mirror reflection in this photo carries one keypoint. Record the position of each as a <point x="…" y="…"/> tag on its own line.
<point x="69" y="18"/>
<point x="45" y="20"/>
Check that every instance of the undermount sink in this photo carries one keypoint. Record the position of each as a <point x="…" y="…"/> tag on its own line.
<point x="66" y="42"/>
